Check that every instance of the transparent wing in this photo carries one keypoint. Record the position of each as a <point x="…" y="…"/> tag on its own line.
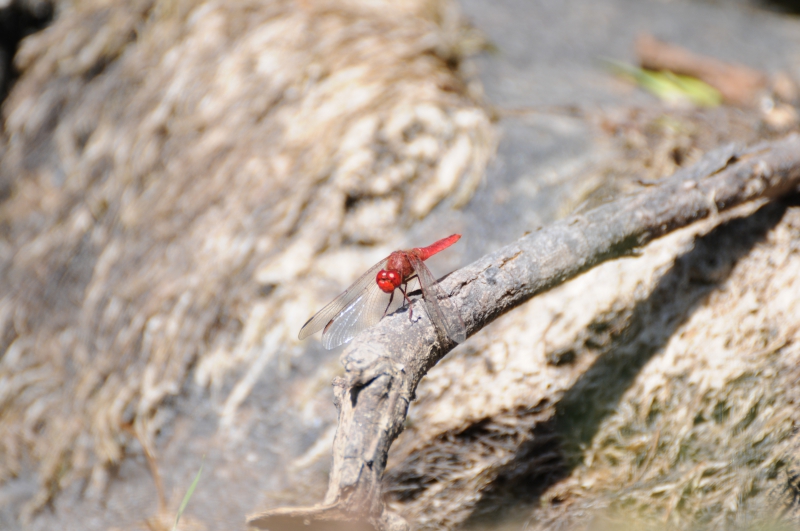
<point x="362" y="313"/>
<point x="441" y="309"/>
<point x="354" y="309"/>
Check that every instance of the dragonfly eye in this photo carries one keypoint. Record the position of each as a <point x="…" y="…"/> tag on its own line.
<point x="388" y="281"/>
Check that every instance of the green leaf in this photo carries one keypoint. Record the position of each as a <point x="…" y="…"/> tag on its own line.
<point x="668" y="86"/>
<point x="187" y="497"/>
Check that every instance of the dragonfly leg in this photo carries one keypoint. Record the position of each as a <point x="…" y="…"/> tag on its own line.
<point x="405" y="284"/>
<point x="391" y="297"/>
<point x="410" y="305"/>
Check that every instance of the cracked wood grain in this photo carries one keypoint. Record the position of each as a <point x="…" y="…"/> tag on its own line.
<point x="383" y="365"/>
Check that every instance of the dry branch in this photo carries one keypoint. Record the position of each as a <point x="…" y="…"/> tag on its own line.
<point x="385" y="364"/>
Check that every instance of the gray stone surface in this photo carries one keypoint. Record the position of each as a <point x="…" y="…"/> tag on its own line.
<point x="547" y="61"/>
<point x="547" y="66"/>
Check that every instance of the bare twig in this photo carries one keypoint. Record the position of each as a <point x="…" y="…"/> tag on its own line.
<point x="385" y="364"/>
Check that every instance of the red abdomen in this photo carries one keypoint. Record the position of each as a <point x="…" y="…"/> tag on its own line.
<point x="426" y="252"/>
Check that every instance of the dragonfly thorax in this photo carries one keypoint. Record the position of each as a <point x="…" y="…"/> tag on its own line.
<point x="388" y="281"/>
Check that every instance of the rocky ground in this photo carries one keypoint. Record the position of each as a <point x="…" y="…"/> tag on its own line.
<point x="184" y="184"/>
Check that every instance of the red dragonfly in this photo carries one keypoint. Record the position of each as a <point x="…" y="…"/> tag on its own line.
<point x="368" y="300"/>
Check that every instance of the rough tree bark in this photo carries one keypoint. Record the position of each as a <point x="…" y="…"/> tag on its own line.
<point x="384" y="365"/>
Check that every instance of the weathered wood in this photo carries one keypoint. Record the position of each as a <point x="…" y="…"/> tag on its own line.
<point x="384" y="365"/>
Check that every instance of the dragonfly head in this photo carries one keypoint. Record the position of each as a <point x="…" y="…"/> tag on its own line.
<point x="388" y="281"/>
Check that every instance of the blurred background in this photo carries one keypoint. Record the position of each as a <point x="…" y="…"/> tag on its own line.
<point x="183" y="183"/>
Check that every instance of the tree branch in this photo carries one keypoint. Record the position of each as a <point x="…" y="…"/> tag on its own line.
<point x="384" y="364"/>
